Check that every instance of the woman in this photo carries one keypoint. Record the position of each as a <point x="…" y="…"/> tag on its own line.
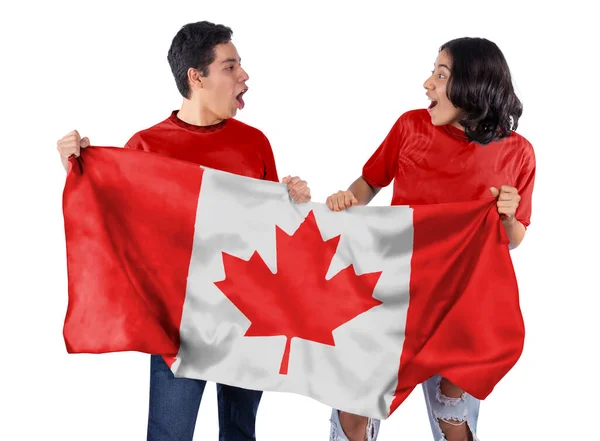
<point x="461" y="148"/>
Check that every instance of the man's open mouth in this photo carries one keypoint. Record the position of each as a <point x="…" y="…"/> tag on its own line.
<point x="239" y="98"/>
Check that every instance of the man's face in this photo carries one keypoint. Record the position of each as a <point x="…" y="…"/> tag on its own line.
<point x="223" y="87"/>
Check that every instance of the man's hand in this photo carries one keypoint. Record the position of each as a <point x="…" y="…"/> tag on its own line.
<point x="71" y="144"/>
<point x="297" y="188"/>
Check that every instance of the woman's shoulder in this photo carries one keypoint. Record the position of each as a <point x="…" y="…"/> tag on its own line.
<point x="416" y="115"/>
<point x="412" y="118"/>
<point x="520" y="142"/>
<point x="519" y="146"/>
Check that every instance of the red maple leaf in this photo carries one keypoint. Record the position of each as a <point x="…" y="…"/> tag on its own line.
<point x="297" y="301"/>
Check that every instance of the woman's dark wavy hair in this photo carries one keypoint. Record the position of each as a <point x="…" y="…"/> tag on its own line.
<point x="481" y="85"/>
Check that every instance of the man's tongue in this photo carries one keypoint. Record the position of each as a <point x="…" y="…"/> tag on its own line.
<point x="241" y="101"/>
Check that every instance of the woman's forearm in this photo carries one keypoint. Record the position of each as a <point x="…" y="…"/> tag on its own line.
<point x="515" y="231"/>
<point x="362" y="191"/>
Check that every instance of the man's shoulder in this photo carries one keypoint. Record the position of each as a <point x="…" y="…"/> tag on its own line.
<point x="135" y="142"/>
<point x="246" y="129"/>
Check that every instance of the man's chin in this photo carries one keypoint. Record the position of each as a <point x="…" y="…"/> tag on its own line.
<point x="227" y="115"/>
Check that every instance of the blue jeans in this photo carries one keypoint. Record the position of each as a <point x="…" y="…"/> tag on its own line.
<point x="174" y="404"/>
<point x="439" y="407"/>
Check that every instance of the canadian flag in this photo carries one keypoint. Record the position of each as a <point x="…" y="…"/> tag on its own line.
<point x="233" y="282"/>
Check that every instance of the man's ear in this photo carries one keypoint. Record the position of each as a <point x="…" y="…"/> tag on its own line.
<point x="195" y="79"/>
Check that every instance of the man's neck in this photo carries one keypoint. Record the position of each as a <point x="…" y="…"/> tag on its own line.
<point x="195" y="114"/>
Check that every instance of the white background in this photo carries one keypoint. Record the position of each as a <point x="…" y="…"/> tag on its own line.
<point x="327" y="81"/>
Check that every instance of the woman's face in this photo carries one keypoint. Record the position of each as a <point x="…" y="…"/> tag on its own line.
<point x="441" y="110"/>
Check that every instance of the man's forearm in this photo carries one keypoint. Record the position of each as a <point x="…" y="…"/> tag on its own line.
<point x="65" y="163"/>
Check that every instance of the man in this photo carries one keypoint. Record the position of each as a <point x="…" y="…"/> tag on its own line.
<point x="209" y="76"/>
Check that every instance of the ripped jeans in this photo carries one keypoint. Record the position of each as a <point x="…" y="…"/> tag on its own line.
<point x="439" y="407"/>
